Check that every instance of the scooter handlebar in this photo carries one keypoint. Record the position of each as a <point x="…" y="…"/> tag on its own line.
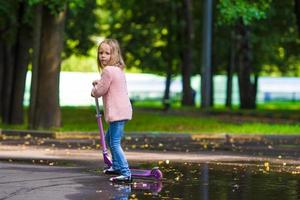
<point x="97" y="106"/>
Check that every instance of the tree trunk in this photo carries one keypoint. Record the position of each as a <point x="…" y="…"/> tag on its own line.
<point x="230" y="70"/>
<point x="170" y="53"/>
<point x="47" y="111"/>
<point x="247" y="89"/>
<point x="14" y="62"/>
<point x="2" y="57"/>
<point x="35" y="62"/>
<point x="297" y="13"/>
<point x="7" y="83"/>
<point x="23" y="44"/>
<point x="166" y="99"/>
<point x="206" y="73"/>
<point x="8" y="39"/>
<point x="212" y="96"/>
<point x="186" y="68"/>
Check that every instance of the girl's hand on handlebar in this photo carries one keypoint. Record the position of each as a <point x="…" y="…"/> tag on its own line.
<point x="95" y="82"/>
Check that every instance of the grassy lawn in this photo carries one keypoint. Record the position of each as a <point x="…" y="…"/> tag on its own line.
<point x="267" y="119"/>
<point x="193" y="121"/>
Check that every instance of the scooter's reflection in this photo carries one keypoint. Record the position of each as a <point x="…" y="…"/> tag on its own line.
<point x="125" y="190"/>
<point x="153" y="187"/>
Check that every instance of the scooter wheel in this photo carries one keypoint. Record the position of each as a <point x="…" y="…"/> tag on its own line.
<point x="156" y="173"/>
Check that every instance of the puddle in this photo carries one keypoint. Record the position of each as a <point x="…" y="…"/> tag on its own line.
<point x="216" y="181"/>
<point x="220" y="181"/>
<point x="226" y="180"/>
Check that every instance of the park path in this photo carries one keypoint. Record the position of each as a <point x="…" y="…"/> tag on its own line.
<point x="32" y="152"/>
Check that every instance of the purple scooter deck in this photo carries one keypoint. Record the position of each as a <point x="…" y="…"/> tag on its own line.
<point x="139" y="172"/>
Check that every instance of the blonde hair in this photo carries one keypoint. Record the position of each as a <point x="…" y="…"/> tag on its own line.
<point x="116" y="58"/>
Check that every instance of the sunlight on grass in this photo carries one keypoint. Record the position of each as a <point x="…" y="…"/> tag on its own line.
<point x="159" y="121"/>
<point x="185" y="120"/>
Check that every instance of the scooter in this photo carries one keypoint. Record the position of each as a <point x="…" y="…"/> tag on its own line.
<point x="135" y="173"/>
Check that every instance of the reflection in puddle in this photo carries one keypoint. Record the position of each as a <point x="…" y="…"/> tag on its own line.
<point x="127" y="191"/>
<point x="123" y="191"/>
<point x="217" y="181"/>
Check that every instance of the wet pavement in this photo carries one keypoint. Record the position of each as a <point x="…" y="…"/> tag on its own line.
<point x="22" y="181"/>
<point x="48" y="168"/>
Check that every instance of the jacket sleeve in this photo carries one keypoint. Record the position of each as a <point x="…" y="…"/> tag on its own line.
<point x="103" y="84"/>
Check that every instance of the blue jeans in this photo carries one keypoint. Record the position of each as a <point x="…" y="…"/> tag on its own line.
<point x="113" y="138"/>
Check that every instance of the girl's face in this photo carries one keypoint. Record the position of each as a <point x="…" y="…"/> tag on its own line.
<point x="104" y="54"/>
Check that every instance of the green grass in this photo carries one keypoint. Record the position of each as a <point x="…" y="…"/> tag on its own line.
<point x="281" y="105"/>
<point x="190" y="120"/>
<point x="264" y="120"/>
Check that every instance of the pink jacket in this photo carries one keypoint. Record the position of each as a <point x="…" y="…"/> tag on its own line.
<point x="112" y="88"/>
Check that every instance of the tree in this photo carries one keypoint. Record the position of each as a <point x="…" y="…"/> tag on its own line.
<point x="81" y="23"/>
<point x="242" y="14"/>
<point x="48" y="47"/>
<point x="230" y="70"/>
<point x="297" y="13"/>
<point x="278" y="36"/>
<point x="14" y="51"/>
<point x="168" y="56"/>
<point x="46" y="110"/>
<point x="38" y="24"/>
<point x="154" y="41"/>
<point x="247" y="87"/>
<point x="206" y="76"/>
<point x="186" y="66"/>
<point x="24" y="38"/>
<point x="8" y="35"/>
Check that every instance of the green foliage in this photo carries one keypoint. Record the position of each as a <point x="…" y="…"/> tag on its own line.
<point x="55" y="6"/>
<point x="274" y="40"/>
<point x="80" y="27"/>
<point x="248" y="11"/>
<point x="144" y="32"/>
<point x="81" y="63"/>
<point x="8" y="20"/>
<point x="80" y="23"/>
<point x="150" y="38"/>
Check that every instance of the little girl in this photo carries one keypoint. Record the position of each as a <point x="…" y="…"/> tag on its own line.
<point x="117" y="107"/>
